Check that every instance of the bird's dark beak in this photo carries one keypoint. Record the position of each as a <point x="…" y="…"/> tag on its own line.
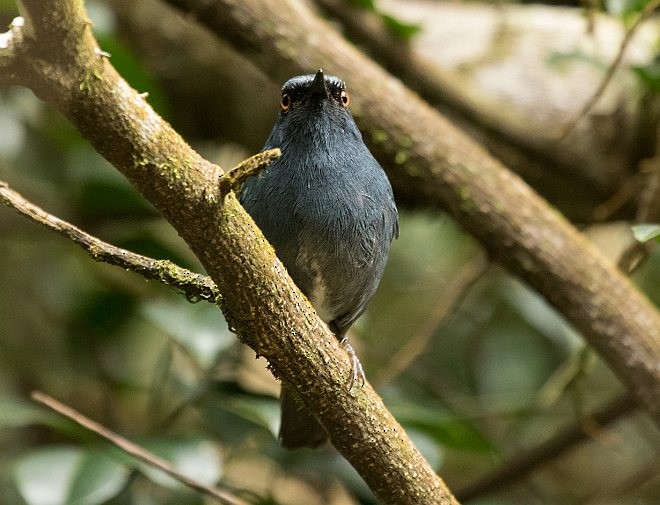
<point x="319" y="87"/>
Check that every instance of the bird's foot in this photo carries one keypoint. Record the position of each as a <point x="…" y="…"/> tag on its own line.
<point x="357" y="372"/>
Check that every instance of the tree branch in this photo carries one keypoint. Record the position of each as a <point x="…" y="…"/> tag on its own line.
<point x="430" y="162"/>
<point x="194" y="286"/>
<point x="62" y="64"/>
<point x="134" y="450"/>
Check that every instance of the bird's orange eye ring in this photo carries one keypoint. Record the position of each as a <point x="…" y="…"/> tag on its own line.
<point x="345" y="98"/>
<point x="285" y="103"/>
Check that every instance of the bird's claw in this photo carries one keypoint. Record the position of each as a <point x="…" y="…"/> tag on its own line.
<point x="357" y="372"/>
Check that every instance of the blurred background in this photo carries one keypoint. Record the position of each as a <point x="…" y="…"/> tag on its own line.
<point x="481" y="372"/>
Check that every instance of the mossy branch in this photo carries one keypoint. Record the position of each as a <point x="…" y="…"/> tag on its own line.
<point x="193" y="285"/>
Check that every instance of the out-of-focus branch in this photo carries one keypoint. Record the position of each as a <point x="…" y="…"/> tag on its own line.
<point x="134" y="450"/>
<point x="431" y="162"/>
<point x="525" y="463"/>
<point x="194" y="286"/>
<point x="58" y="58"/>
<point x="451" y="297"/>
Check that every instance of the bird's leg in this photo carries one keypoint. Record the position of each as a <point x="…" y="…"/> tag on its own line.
<point x="357" y="372"/>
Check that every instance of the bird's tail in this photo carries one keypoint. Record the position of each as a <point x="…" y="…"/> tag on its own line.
<point x="298" y="428"/>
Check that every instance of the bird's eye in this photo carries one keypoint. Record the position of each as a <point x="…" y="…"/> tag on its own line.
<point x="345" y="98"/>
<point x="286" y="102"/>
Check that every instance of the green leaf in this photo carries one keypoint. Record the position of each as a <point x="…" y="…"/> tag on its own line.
<point x="369" y="5"/>
<point x="44" y="476"/>
<point x="18" y="414"/>
<point x="649" y="75"/>
<point x="561" y="60"/>
<point x="98" y="479"/>
<point x="624" y="7"/>
<point x="645" y="232"/>
<point x="194" y="458"/>
<point x="443" y="428"/>
<point x="262" y="412"/>
<point x="65" y="475"/>
<point x="199" y="328"/>
<point x="401" y="29"/>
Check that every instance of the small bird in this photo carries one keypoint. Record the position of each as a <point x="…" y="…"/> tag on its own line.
<point x="327" y="208"/>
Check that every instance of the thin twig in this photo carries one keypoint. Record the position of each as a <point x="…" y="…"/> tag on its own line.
<point x="231" y="180"/>
<point x="453" y="294"/>
<point x="611" y="70"/>
<point x="526" y="462"/>
<point x="194" y="286"/>
<point x="134" y="450"/>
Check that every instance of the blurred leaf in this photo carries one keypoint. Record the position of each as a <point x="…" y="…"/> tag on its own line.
<point x="401" y="29"/>
<point x="260" y="411"/>
<point x="44" y="476"/>
<point x="96" y="200"/>
<point x="649" y="75"/>
<point x="398" y="28"/>
<point x="8" y="6"/>
<point x="67" y="475"/>
<point x="445" y="430"/>
<point x="645" y="232"/>
<point x="560" y="60"/>
<point x="234" y="413"/>
<point x="369" y="5"/>
<point x="96" y="314"/>
<point x="194" y="458"/>
<point x="98" y="479"/>
<point x="624" y="8"/>
<point x="199" y="327"/>
<point x="18" y="414"/>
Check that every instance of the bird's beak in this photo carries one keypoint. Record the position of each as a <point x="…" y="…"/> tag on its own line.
<point x="319" y="87"/>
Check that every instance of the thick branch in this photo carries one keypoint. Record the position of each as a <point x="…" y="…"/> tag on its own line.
<point x="431" y="162"/>
<point x="62" y="64"/>
<point x="136" y="451"/>
<point x="194" y="286"/>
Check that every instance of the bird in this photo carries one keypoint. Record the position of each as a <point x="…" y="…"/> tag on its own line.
<point x="327" y="208"/>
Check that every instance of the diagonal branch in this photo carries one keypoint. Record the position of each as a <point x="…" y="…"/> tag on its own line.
<point x="526" y="462"/>
<point x="59" y="60"/>
<point x="194" y="286"/>
<point x="136" y="451"/>
<point x="432" y="163"/>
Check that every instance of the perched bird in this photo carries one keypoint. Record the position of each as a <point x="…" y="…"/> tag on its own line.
<point x="327" y="208"/>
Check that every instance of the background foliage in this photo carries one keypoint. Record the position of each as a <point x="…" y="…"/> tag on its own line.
<point x="499" y="374"/>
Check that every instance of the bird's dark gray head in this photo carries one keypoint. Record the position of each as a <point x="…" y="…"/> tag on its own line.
<point x="313" y="106"/>
<point x="308" y="91"/>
